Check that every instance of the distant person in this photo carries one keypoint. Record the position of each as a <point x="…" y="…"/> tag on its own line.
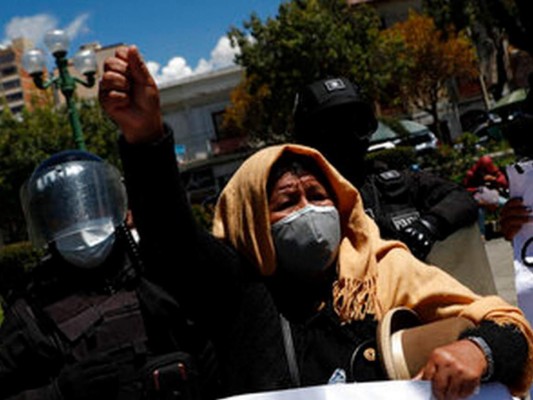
<point x="414" y="206"/>
<point x="485" y="173"/>
<point x="488" y="186"/>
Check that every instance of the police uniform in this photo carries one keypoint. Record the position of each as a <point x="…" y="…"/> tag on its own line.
<point x="396" y="199"/>
<point x="399" y="200"/>
<point x="67" y="318"/>
<point x="416" y="207"/>
<point x="91" y="322"/>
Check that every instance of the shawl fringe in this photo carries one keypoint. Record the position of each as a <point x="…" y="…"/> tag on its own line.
<point x="355" y="299"/>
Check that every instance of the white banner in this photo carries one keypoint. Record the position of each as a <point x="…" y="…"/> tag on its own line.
<point x="520" y="177"/>
<point x="521" y="185"/>
<point x="397" y="390"/>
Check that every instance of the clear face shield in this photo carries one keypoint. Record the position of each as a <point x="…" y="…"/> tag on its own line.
<point x="75" y="199"/>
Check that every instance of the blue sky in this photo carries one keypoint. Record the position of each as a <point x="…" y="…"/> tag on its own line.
<point x="177" y="37"/>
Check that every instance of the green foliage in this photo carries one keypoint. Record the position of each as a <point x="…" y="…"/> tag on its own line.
<point x="203" y="215"/>
<point x="436" y="57"/>
<point x="310" y="40"/>
<point x="492" y="25"/>
<point x="452" y="162"/>
<point x="27" y="140"/>
<point x="496" y="16"/>
<point x="15" y="260"/>
<point x="99" y="131"/>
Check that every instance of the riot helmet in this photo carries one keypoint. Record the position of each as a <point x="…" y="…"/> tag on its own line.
<point x="75" y="200"/>
<point x="518" y="129"/>
<point x="332" y="116"/>
<point x="333" y="109"/>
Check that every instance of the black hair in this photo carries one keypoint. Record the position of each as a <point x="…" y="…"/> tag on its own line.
<point x="298" y="164"/>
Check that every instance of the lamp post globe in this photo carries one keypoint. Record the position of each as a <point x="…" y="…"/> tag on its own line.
<point x="33" y="61"/>
<point x="85" y="61"/>
<point x="57" y="42"/>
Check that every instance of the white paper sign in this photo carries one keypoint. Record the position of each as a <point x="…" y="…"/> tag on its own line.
<point x="520" y="177"/>
<point x="521" y="185"/>
<point x="397" y="390"/>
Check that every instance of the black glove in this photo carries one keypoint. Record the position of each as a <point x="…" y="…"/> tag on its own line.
<point x="419" y="237"/>
<point x="93" y="378"/>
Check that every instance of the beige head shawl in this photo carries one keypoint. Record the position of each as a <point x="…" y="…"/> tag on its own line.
<point x="242" y="218"/>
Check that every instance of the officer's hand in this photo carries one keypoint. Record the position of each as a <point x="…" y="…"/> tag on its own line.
<point x="455" y="370"/>
<point x="129" y="95"/>
<point x="513" y="215"/>
<point x="418" y="238"/>
<point x="93" y="378"/>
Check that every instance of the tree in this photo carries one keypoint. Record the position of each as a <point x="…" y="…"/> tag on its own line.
<point x="434" y="58"/>
<point x="517" y="22"/>
<point x="306" y="41"/>
<point x="490" y="23"/>
<point x="243" y="116"/>
<point x="27" y="140"/>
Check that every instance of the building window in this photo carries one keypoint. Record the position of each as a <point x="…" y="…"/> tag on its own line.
<point x="11" y="84"/>
<point x="14" y="97"/>
<point x="17" y="109"/>
<point x="8" y="71"/>
<point x="7" y="58"/>
<point x="218" y="119"/>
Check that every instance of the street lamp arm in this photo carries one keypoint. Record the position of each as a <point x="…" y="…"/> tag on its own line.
<point x="88" y="83"/>
<point x="41" y="84"/>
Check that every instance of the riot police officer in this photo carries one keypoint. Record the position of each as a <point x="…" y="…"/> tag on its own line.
<point x="91" y="324"/>
<point x="416" y="207"/>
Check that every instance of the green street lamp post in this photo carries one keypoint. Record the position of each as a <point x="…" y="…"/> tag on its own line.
<point x="33" y="62"/>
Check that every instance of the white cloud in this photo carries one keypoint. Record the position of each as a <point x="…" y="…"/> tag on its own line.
<point x="223" y="54"/>
<point x="35" y="27"/>
<point x="78" y="26"/>
<point x="32" y="28"/>
<point x="177" y="68"/>
<point x="153" y="67"/>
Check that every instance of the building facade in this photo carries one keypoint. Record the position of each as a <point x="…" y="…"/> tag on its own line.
<point x="194" y="107"/>
<point x="16" y="86"/>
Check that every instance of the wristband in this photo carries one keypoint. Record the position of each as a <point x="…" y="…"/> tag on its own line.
<point x="485" y="348"/>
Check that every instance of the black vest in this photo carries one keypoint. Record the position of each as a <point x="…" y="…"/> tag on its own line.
<point x="388" y="199"/>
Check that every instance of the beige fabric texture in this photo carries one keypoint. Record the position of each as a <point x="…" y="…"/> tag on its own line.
<point x="463" y="256"/>
<point x="374" y="275"/>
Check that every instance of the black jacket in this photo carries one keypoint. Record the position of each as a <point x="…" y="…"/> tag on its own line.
<point x="396" y="198"/>
<point x="240" y="310"/>
<point x="68" y="315"/>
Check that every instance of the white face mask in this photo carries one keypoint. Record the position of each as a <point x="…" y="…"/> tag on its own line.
<point x="87" y="248"/>
<point x="307" y="240"/>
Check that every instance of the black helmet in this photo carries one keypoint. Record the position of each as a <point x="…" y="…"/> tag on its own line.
<point x="518" y="129"/>
<point x="519" y="133"/>
<point x="330" y="101"/>
<point x="69" y="192"/>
